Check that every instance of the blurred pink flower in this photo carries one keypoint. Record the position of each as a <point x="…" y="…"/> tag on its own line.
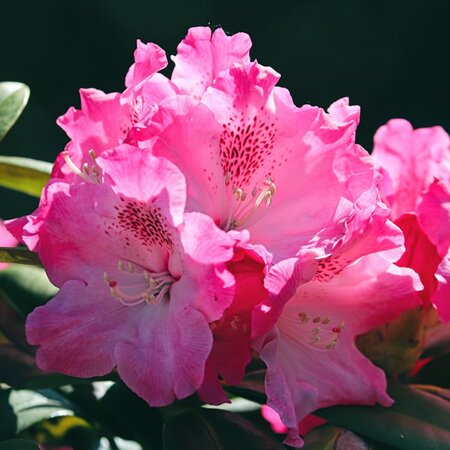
<point x="416" y="186"/>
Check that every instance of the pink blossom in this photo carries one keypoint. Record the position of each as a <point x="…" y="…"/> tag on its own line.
<point x="311" y="357"/>
<point x="107" y="120"/>
<point x="416" y="186"/>
<point x="140" y="280"/>
<point x="6" y="240"/>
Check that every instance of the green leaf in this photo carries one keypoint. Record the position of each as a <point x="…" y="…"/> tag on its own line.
<point x="24" y="174"/>
<point x="27" y="287"/>
<point x="436" y="372"/>
<point x="20" y="409"/>
<point x="19" y="255"/>
<point x="437" y="341"/>
<point x="57" y="380"/>
<point x="213" y="429"/>
<point x="141" y="423"/>
<point x="13" y="99"/>
<point x="252" y="387"/>
<point x="18" y="444"/>
<point x="418" y="420"/>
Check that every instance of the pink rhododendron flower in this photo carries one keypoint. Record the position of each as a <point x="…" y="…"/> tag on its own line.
<point x="140" y="279"/>
<point x="311" y="357"/>
<point x="107" y="120"/>
<point x="416" y="186"/>
<point x="6" y="240"/>
<point x="251" y="157"/>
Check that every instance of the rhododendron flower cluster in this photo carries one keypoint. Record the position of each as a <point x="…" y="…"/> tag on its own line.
<point x="195" y="221"/>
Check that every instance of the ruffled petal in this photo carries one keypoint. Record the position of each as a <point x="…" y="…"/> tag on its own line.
<point x="203" y="54"/>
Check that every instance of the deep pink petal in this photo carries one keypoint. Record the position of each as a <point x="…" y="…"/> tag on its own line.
<point x="231" y="349"/>
<point x="421" y="255"/>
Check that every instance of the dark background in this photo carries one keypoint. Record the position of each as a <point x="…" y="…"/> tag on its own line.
<point x="388" y="56"/>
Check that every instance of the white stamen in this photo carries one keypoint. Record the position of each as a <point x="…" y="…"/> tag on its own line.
<point x="151" y="287"/>
<point x="243" y="209"/>
<point x="90" y="174"/>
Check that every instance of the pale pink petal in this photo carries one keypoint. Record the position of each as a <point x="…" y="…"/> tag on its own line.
<point x="202" y="55"/>
<point x="412" y="159"/>
<point x="433" y="213"/>
<point x="166" y="359"/>
<point x="101" y="123"/>
<point x="74" y="330"/>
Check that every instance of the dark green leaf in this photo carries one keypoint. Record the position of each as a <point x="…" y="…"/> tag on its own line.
<point x="436" y="372"/>
<point x="12" y="324"/>
<point x="418" y="420"/>
<point x="437" y="341"/>
<point x="322" y="438"/>
<point x="19" y="255"/>
<point x="18" y="444"/>
<point x="13" y="99"/>
<point x="24" y="174"/>
<point x="328" y="437"/>
<point x="56" y="380"/>
<point x="213" y="429"/>
<point x="27" y="287"/>
<point x="140" y="422"/>
<point x="20" y="409"/>
<point x="251" y="387"/>
<point x="16" y="366"/>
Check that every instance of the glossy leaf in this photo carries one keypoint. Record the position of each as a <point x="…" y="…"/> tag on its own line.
<point x="13" y="99"/>
<point x="18" y="444"/>
<point x="26" y="287"/>
<point x="16" y="366"/>
<point x="140" y="423"/>
<point x="57" y="380"/>
<point x="418" y="420"/>
<point x="20" y="409"/>
<point x="436" y="372"/>
<point x="209" y="429"/>
<point x="19" y="255"/>
<point x="251" y="387"/>
<point x="24" y="174"/>
<point x="437" y="341"/>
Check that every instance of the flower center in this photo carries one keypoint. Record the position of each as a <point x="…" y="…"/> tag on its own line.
<point x="319" y="331"/>
<point x="89" y="173"/>
<point x="136" y="285"/>
<point x="244" y="208"/>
